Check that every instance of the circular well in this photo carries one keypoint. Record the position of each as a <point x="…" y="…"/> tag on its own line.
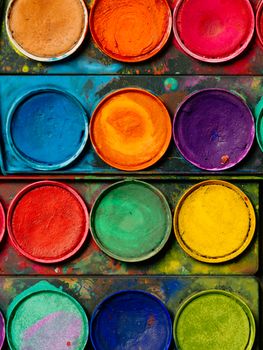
<point x="130" y="129"/>
<point x="2" y="330"/>
<point x="48" y="221"/>
<point x="47" y="129"/>
<point x="2" y="222"/>
<point x="43" y="31"/>
<point x="259" y="22"/>
<point x="214" y="31"/>
<point x="214" y="319"/>
<point x="259" y="130"/>
<point x="131" y="320"/>
<point x="214" y="221"/>
<point x="131" y="221"/>
<point x="130" y="31"/>
<point x="214" y="129"/>
<point x="47" y="319"/>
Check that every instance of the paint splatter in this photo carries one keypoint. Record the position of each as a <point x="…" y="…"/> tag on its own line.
<point x="171" y="84"/>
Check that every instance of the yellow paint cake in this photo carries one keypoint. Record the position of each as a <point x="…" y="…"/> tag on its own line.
<point x="214" y="221"/>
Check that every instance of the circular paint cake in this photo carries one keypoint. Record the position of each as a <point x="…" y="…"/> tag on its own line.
<point x="131" y="221"/>
<point x="48" y="222"/>
<point x="214" y="129"/>
<point x="259" y="128"/>
<point x="47" y="30"/>
<point x="131" y="320"/>
<point x="2" y="330"/>
<point x="2" y="222"/>
<point x="130" y="129"/>
<point x="214" y="221"/>
<point x="47" y="129"/>
<point x="47" y="320"/>
<point x="130" y="31"/>
<point x="259" y="22"/>
<point x="214" y="320"/>
<point x="214" y="30"/>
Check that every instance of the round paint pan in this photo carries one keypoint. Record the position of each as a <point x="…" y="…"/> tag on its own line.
<point x="2" y="227"/>
<point x="48" y="222"/>
<point x="130" y="31"/>
<point x="46" y="31"/>
<point x="131" y="319"/>
<point x="130" y="129"/>
<point x="259" y="130"/>
<point x="47" y="129"/>
<point x="259" y="22"/>
<point x="214" y="129"/>
<point x="214" y="221"/>
<point x="214" y="319"/>
<point x="47" y="319"/>
<point x="2" y="330"/>
<point x="214" y="31"/>
<point x="131" y="221"/>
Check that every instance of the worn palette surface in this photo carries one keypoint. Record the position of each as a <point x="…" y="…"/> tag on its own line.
<point x="171" y="290"/>
<point x="166" y="76"/>
<point x="172" y="260"/>
<point x="89" y="90"/>
<point x="90" y="60"/>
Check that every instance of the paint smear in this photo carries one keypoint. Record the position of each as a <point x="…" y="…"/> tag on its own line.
<point x="130" y="30"/>
<point x="131" y="129"/>
<point x="47" y="28"/>
<point x="131" y="221"/>
<point x="214" y="321"/>
<point x="48" y="222"/>
<point x="131" y="320"/>
<point x="214" y="221"/>
<point x="214" y="129"/>
<point x="47" y="321"/>
<point x="48" y="129"/>
<point x="214" y="29"/>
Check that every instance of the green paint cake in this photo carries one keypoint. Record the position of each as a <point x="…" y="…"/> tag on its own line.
<point x="214" y="320"/>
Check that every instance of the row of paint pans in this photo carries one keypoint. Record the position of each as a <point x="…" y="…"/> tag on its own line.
<point x="128" y="319"/>
<point x="131" y="129"/>
<point x="133" y="31"/>
<point x="131" y="220"/>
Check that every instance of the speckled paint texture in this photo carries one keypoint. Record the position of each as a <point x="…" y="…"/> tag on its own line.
<point x="34" y="27"/>
<point x="214" y="320"/>
<point x="48" y="222"/>
<point x="131" y="320"/>
<point x="43" y="317"/>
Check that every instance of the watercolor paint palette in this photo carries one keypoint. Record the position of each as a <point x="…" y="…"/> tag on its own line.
<point x="171" y="60"/>
<point x="172" y="291"/>
<point x="73" y="78"/>
<point x="88" y="92"/>
<point x="90" y="260"/>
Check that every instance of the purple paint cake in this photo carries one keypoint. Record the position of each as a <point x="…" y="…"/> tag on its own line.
<point x="2" y="330"/>
<point x="214" y="129"/>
